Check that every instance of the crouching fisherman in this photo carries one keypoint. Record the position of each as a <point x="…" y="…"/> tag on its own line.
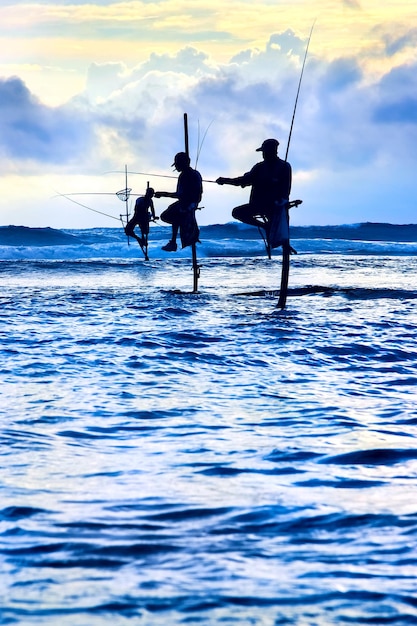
<point x="270" y="182"/>
<point x="144" y="212"/>
<point x="181" y="214"/>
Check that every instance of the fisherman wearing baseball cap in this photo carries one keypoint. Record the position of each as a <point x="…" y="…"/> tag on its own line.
<point x="269" y="145"/>
<point x="181" y="214"/>
<point x="270" y="180"/>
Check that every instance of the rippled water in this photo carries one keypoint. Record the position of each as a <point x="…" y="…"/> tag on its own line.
<point x="170" y="458"/>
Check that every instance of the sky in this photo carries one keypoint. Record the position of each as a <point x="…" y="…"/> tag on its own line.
<point x="88" y="87"/>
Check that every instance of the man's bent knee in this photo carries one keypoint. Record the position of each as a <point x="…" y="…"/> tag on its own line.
<point x="239" y="212"/>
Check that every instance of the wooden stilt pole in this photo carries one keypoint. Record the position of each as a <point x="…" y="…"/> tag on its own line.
<point x="196" y="267"/>
<point x="285" y="270"/>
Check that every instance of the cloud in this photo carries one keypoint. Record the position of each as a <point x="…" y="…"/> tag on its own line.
<point x="287" y="43"/>
<point x="350" y="130"/>
<point x="134" y="20"/>
<point x="395" y="43"/>
<point x="138" y="110"/>
<point x="352" y="4"/>
<point x="401" y="112"/>
<point x="396" y="105"/>
<point x="32" y="131"/>
<point x="247" y="97"/>
<point x="103" y="79"/>
<point x="341" y="74"/>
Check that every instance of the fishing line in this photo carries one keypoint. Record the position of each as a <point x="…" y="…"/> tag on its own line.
<point x="205" y="180"/>
<point x="200" y="145"/>
<point x="93" y="193"/>
<point x="63" y="195"/>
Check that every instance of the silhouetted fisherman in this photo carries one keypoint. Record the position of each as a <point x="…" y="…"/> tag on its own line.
<point x="144" y="212"/>
<point x="181" y="214"/>
<point x="271" y="185"/>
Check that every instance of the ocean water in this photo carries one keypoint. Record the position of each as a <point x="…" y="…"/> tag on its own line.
<point x="179" y="458"/>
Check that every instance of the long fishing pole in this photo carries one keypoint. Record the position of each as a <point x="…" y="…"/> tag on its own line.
<point x="298" y="91"/>
<point x="186" y="144"/>
<point x="286" y="247"/>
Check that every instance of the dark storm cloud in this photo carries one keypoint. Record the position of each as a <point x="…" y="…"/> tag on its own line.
<point x="31" y="130"/>
<point x="397" y="97"/>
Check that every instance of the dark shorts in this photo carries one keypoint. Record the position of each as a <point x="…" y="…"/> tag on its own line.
<point x="142" y="222"/>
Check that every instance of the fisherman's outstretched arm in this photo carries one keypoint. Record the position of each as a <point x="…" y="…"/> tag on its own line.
<point x="239" y="181"/>
<point x="166" y="194"/>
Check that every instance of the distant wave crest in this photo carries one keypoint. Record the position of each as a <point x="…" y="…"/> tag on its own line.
<point x="218" y="240"/>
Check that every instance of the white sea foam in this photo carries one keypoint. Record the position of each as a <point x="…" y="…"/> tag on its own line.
<point x="222" y="240"/>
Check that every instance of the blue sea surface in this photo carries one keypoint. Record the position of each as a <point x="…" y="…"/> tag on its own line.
<point x="204" y="458"/>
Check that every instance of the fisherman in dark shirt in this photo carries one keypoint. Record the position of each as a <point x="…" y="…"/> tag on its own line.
<point x="181" y="214"/>
<point x="144" y="212"/>
<point x="271" y="185"/>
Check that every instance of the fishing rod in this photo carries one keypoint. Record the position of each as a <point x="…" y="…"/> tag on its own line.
<point x="286" y="246"/>
<point x="298" y="90"/>
<point x="186" y="144"/>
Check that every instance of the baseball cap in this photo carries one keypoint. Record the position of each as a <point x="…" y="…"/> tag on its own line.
<point x="268" y="144"/>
